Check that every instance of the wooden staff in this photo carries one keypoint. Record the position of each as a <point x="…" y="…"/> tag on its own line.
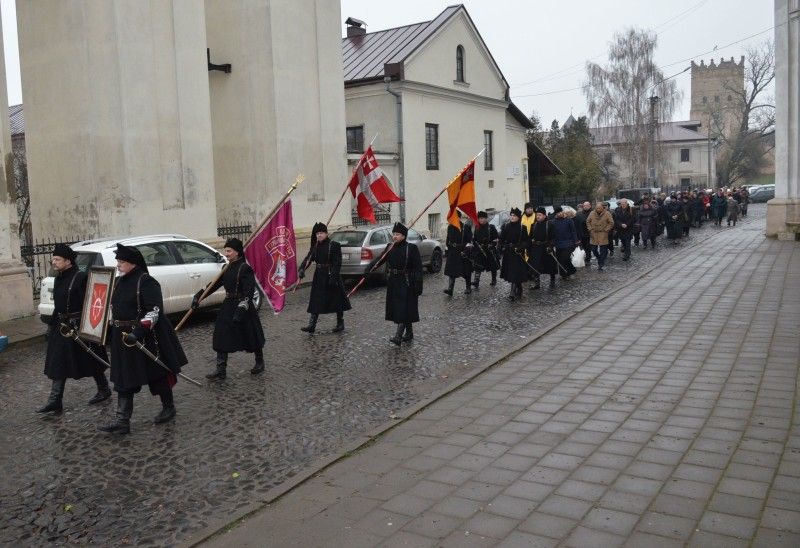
<point x="299" y="179"/>
<point x="412" y="223"/>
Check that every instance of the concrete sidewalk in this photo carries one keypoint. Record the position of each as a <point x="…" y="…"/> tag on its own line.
<point x="662" y="416"/>
<point x="23" y="329"/>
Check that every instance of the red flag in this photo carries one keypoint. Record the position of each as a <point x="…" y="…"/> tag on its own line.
<point x="461" y="195"/>
<point x="272" y="253"/>
<point x="370" y="187"/>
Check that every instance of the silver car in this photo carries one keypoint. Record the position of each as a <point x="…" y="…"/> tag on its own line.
<point x="362" y="247"/>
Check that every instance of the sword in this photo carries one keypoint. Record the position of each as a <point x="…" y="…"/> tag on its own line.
<point x="553" y="255"/>
<point x="521" y="256"/>
<point x="70" y="333"/>
<point x="146" y="352"/>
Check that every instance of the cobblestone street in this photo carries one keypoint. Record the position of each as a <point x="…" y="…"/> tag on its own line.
<point x="66" y="483"/>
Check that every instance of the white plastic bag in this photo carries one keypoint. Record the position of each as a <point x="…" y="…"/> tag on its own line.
<point x="578" y="258"/>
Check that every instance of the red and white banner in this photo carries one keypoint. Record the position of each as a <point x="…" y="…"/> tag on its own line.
<point x="370" y="187"/>
<point x="272" y="254"/>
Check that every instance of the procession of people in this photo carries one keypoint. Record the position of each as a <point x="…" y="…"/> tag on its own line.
<point x="145" y="350"/>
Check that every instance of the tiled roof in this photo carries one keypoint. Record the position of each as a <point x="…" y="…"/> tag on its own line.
<point x="667" y="132"/>
<point x="17" y="119"/>
<point x="364" y="56"/>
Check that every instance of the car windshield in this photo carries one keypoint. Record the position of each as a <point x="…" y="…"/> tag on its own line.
<point x="349" y="238"/>
<point x="83" y="261"/>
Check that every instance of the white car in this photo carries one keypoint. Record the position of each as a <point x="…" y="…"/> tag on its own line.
<point x="181" y="265"/>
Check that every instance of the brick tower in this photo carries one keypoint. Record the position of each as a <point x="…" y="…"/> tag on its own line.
<point x="712" y="94"/>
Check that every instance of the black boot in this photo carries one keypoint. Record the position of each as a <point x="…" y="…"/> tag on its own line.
<point x="167" y="408"/>
<point x="312" y="324"/>
<point x="552" y="281"/>
<point x="450" y="285"/>
<point x="398" y="336"/>
<point x="221" y="371"/>
<point x="409" y="333"/>
<point x="494" y="278"/>
<point x="477" y="281"/>
<point x="122" y="420"/>
<point x="339" y="323"/>
<point x="259" y="366"/>
<point x="53" y="404"/>
<point x="103" y="390"/>
<point x="468" y="290"/>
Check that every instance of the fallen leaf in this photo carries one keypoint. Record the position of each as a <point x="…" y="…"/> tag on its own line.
<point x="235" y="475"/>
<point x="68" y="508"/>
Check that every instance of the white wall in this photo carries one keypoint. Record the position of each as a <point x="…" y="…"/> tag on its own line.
<point x="671" y="169"/>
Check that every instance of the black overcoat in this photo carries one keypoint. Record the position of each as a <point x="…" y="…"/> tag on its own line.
<point x="543" y="240"/>
<point x="624" y="217"/>
<point x="458" y="264"/>
<point x="327" y="290"/>
<point x="137" y="294"/>
<point x="514" y="241"/>
<point x="239" y="282"/>
<point x="673" y="212"/>
<point x="65" y="359"/>
<point x="484" y="253"/>
<point x="403" y="283"/>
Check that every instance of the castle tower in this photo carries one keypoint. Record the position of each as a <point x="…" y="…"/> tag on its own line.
<point x="713" y="95"/>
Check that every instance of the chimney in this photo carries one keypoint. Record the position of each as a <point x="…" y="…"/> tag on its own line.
<point x="355" y="27"/>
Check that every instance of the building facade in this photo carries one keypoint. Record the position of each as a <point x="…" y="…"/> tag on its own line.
<point x="714" y="94"/>
<point x="432" y="96"/>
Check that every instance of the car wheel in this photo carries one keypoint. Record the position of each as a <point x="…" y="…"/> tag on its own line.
<point x="258" y="299"/>
<point x="436" y="261"/>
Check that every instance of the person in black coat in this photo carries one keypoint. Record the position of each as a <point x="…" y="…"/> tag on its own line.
<point x="327" y="289"/>
<point x="514" y="242"/>
<point x="624" y="219"/>
<point x="565" y="237"/>
<point x="673" y="213"/>
<point x="403" y="285"/>
<point x="484" y="250"/>
<point x="542" y="248"/>
<point x="137" y="316"/>
<point x="238" y="327"/>
<point x="458" y="265"/>
<point x="582" y="230"/>
<point x="65" y="359"/>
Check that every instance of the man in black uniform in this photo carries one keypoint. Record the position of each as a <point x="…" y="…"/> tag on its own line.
<point x="484" y="252"/>
<point x="458" y="265"/>
<point x="403" y="285"/>
<point x="137" y="316"/>
<point x="65" y="358"/>
<point x="327" y="289"/>
<point x="582" y="230"/>
<point x="542" y="248"/>
<point x="238" y="327"/>
<point x="514" y="242"/>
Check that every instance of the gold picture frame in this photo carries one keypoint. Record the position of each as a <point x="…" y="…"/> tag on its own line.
<point x="97" y="303"/>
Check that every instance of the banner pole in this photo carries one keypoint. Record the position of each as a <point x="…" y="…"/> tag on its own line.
<point x="347" y="186"/>
<point x="299" y="179"/>
<point x="413" y="222"/>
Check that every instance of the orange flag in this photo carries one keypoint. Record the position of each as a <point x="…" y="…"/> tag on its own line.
<point x="461" y="194"/>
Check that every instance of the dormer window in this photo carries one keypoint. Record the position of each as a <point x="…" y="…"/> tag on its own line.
<point x="460" y="64"/>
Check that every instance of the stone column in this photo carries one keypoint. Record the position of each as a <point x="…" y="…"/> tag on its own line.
<point x="783" y="212"/>
<point x="118" y="120"/>
<point x="16" y="294"/>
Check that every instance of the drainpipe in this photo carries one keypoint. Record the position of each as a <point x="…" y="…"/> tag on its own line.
<point x="398" y="98"/>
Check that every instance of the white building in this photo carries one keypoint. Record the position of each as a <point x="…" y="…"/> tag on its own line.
<point x="437" y="86"/>
<point x="682" y="150"/>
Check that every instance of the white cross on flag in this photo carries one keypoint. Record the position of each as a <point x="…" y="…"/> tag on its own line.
<point x="370" y="187"/>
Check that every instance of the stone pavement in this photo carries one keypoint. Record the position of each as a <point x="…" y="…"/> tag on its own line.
<point x="23" y="329"/>
<point x="662" y="416"/>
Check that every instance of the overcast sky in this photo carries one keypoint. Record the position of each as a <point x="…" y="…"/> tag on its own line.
<point x="542" y="47"/>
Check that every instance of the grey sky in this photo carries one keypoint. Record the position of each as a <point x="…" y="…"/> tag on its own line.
<point x="542" y="46"/>
<point x="548" y="43"/>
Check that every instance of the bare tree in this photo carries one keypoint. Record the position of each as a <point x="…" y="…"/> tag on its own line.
<point x="618" y="94"/>
<point x="19" y="172"/>
<point x="746" y="140"/>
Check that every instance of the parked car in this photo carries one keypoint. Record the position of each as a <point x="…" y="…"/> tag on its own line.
<point x="362" y="247"/>
<point x="181" y="266"/>
<point x="762" y="193"/>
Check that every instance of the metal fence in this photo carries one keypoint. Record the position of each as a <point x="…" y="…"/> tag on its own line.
<point x="37" y="259"/>
<point x="226" y="230"/>
<point x="381" y="218"/>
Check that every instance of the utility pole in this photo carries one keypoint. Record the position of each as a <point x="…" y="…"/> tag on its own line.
<point x="708" y="184"/>
<point x="651" y="169"/>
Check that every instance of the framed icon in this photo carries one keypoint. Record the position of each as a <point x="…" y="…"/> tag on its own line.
<point x="96" y="303"/>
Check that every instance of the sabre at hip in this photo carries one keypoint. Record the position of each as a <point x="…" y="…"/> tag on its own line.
<point x="156" y="360"/>
<point x="521" y="256"/>
<point x="553" y="255"/>
<point x="70" y="333"/>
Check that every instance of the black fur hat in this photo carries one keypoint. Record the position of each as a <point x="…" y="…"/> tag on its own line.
<point x="131" y="255"/>
<point x="400" y="228"/>
<point x="516" y="211"/>
<point x="64" y="251"/>
<point x="236" y="245"/>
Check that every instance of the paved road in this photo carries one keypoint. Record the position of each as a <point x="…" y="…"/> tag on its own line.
<point x="666" y="417"/>
<point x="64" y="482"/>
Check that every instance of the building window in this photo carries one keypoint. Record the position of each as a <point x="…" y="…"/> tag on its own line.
<point x="434" y="223"/>
<point x="431" y="146"/>
<point x="491" y="183"/>
<point x="705" y="100"/>
<point x="730" y="98"/>
<point x="716" y="98"/>
<point x="684" y="155"/>
<point x="488" y="156"/>
<point x="686" y="182"/>
<point x="355" y="139"/>
<point x="608" y="159"/>
<point x="460" y="64"/>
